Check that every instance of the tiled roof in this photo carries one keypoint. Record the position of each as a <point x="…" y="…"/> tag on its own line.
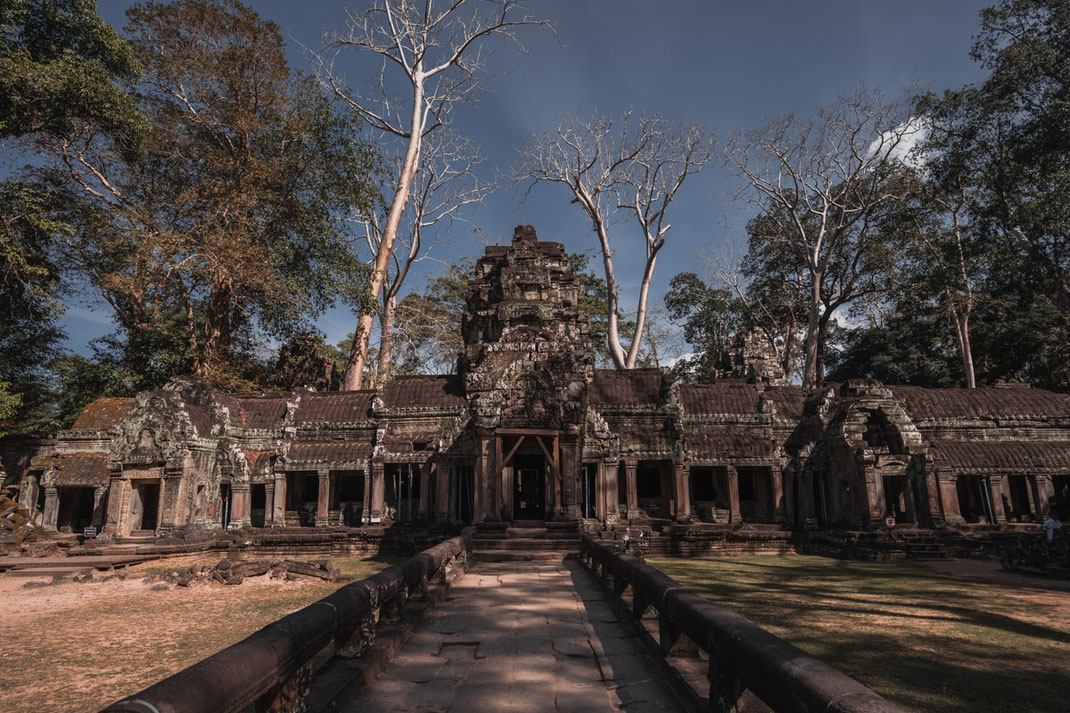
<point x="721" y="397"/>
<point x="991" y="402"/>
<point x="789" y="400"/>
<point x="265" y="411"/>
<point x="77" y="469"/>
<point x="1001" y="454"/>
<point x="425" y="391"/>
<point x="348" y="452"/>
<point x="729" y="447"/>
<point x="629" y="387"/>
<point x="336" y="406"/>
<point x="102" y="414"/>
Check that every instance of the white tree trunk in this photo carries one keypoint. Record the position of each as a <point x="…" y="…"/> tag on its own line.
<point x="359" y="351"/>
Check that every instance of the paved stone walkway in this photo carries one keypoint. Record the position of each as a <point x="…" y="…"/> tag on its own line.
<point x="525" y="636"/>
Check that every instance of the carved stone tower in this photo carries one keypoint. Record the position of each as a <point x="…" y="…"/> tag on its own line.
<point x="527" y="366"/>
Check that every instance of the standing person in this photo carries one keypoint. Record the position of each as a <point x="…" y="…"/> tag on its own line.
<point x="1051" y="525"/>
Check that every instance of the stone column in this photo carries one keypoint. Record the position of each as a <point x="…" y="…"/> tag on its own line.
<point x="777" y="478"/>
<point x="571" y="473"/>
<point x="239" y="504"/>
<point x="949" y="497"/>
<point x="734" y="515"/>
<point x="791" y="512"/>
<point x="995" y="489"/>
<point x="931" y="507"/>
<point x="610" y="497"/>
<point x="807" y="505"/>
<point x="366" y="498"/>
<point x="1045" y="495"/>
<point x="442" y="491"/>
<point x="682" y="481"/>
<point x="269" y="503"/>
<point x="28" y="493"/>
<point x="278" y="505"/>
<point x="100" y="514"/>
<point x="423" y="475"/>
<point x="632" y="492"/>
<point x="51" y="514"/>
<point x="170" y="487"/>
<point x="116" y="491"/>
<point x="378" y="493"/>
<point x="482" y="487"/>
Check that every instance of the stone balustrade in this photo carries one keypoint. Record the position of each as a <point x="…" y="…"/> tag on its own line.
<point x="749" y="668"/>
<point x="272" y="669"/>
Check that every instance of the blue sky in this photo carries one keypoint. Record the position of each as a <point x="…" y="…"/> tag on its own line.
<point x="729" y="64"/>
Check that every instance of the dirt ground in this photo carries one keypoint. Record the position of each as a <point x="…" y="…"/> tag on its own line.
<point x="953" y="637"/>
<point x="75" y="647"/>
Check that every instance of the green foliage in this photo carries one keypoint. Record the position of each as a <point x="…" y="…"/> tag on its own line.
<point x="1011" y="134"/>
<point x="30" y="289"/>
<point x="60" y="69"/>
<point x="710" y="317"/>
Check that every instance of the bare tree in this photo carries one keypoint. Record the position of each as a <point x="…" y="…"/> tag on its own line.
<point x="774" y="306"/>
<point x="438" y="52"/>
<point x="443" y="186"/>
<point x="635" y="167"/>
<point x="821" y="186"/>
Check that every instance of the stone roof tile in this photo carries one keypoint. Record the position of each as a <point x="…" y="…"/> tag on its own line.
<point x="982" y="402"/>
<point x="103" y="414"/>
<point x="334" y="406"/>
<point x="993" y="455"/>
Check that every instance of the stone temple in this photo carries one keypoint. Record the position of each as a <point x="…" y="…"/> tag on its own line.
<point x="528" y="429"/>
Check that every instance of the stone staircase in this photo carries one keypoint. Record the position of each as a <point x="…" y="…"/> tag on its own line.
<point x="525" y="541"/>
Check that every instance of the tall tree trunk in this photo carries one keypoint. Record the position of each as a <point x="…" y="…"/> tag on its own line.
<point x="962" y="336"/>
<point x="386" y="340"/>
<point x="640" y="312"/>
<point x="810" y="377"/>
<point x="359" y="351"/>
<point x="217" y="330"/>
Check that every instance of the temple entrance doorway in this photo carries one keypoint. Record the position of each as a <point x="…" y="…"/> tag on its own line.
<point x="75" y="509"/>
<point x="529" y="487"/>
<point x="975" y="505"/>
<point x="897" y="498"/>
<point x="257" y="504"/>
<point x="144" y="507"/>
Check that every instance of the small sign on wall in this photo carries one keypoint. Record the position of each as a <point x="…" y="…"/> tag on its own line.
<point x="89" y="533"/>
<point x="889" y="521"/>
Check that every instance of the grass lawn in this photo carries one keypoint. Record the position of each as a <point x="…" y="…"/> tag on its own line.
<point x="925" y="640"/>
<point x="77" y="647"/>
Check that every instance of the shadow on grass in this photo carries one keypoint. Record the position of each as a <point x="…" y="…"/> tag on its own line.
<point x="928" y="641"/>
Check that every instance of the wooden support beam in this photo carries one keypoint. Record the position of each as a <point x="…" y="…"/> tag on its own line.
<point x="512" y="451"/>
<point x="546" y="452"/>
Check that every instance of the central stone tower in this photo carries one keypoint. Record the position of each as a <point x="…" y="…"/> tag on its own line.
<point x="527" y="366"/>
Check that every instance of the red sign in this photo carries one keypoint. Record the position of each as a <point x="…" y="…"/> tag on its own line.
<point x="889" y="522"/>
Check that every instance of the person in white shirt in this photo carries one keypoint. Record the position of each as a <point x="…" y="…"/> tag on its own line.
<point x="1051" y="525"/>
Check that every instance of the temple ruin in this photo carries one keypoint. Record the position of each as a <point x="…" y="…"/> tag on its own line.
<point x="529" y="429"/>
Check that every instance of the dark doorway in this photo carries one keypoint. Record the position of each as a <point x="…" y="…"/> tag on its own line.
<point x="75" y="509"/>
<point x="257" y="504"/>
<point x="821" y="509"/>
<point x="588" y="497"/>
<point x="465" y="492"/>
<point x="149" y="499"/>
<point x="974" y="504"/>
<point x="347" y="496"/>
<point x="896" y="493"/>
<point x="1016" y="506"/>
<point x="1060" y="503"/>
<point x="224" y="499"/>
<point x="529" y="487"/>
